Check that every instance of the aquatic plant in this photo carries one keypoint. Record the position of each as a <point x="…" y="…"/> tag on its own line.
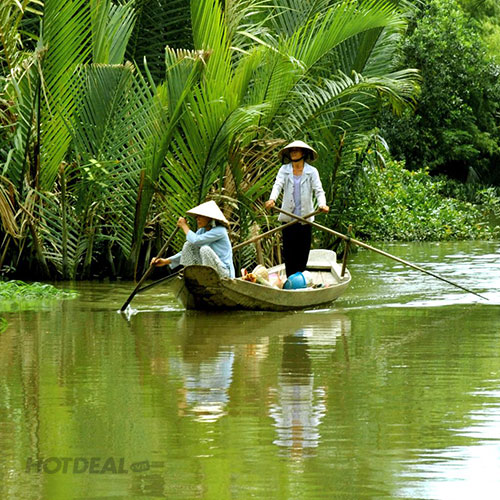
<point x="16" y="290"/>
<point x="18" y="295"/>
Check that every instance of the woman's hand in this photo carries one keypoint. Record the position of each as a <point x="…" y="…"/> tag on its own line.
<point x="325" y="209"/>
<point x="269" y="204"/>
<point x="182" y="223"/>
<point x="158" y="262"/>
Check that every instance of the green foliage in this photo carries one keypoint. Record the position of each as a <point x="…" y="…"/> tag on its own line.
<point x="487" y="12"/>
<point x="455" y="129"/>
<point x="18" y="295"/>
<point x="93" y="146"/>
<point x="393" y="203"/>
<point x="159" y="24"/>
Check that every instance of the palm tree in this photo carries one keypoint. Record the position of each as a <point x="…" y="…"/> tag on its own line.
<point x="98" y="144"/>
<point x="269" y="84"/>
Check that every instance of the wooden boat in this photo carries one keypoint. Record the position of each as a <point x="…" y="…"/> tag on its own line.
<point x="200" y="287"/>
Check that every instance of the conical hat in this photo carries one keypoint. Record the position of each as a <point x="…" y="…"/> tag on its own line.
<point x="298" y="144"/>
<point x="209" y="209"/>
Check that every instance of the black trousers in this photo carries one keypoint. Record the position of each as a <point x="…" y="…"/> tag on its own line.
<point x="296" y="246"/>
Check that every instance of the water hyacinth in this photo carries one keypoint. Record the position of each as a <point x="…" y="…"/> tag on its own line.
<point x="16" y="295"/>
<point x="15" y="290"/>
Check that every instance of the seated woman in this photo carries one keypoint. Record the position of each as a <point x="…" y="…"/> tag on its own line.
<point x="209" y="246"/>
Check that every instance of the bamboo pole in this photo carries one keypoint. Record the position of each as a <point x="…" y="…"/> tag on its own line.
<point x="376" y="250"/>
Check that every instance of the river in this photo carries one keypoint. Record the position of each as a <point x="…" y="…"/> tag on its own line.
<point x="392" y="393"/>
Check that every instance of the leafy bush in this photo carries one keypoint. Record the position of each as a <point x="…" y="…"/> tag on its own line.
<point x="455" y="129"/>
<point x="396" y="204"/>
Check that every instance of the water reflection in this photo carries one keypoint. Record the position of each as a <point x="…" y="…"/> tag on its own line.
<point x="206" y="374"/>
<point x="380" y="402"/>
<point x="299" y="407"/>
<point x="298" y="404"/>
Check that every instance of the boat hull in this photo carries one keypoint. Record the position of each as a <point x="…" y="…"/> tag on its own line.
<point x="201" y="288"/>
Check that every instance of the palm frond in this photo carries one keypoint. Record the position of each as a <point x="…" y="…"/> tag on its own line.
<point x="62" y="232"/>
<point x="210" y="34"/>
<point x="246" y="19"/>
<point x="290" y="15"/>
<point x="66" y="35"/>
<point x="23" y="92"/>
<point x="327" y="30"/>
<point x="115" y="127"/>
<point x="112" y="26"/>
<point x="336" y="98"/>
<point x="160" y="23"/>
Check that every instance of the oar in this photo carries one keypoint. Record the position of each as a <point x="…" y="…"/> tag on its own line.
<point x="148" y="272"/>
<point x="272" y="231"/>
<point x="373" y="249"/>
<point x="161" y="280"/>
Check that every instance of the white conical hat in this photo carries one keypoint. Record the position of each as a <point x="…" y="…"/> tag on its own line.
<point x="298" y="144"/>
<point x="209" y="209"/>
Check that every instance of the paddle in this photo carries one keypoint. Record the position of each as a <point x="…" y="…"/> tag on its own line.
<point x="272" y="231"/>
<point x="373" y="249"/>
<point x="161" y="280"/>
<point x="148" y="272"/>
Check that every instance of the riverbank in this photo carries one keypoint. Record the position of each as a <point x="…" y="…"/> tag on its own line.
<point x="395" y="204"/>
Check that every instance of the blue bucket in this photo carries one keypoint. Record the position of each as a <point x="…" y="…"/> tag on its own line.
<point x="295" y="281"/>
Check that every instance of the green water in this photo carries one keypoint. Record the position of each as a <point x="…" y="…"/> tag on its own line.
<point x="392" y="393"/>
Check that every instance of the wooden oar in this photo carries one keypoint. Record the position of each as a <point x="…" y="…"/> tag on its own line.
<point x="161" y="280"/>
<point x="148" y="272"/>
<point x="272" y="231"/>
<point x="373" y="249"/>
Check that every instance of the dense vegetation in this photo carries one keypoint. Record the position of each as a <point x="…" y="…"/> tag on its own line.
<point x="398" y="204"/>
<point x="455" y="129"/>
<point x="119" y="116"/>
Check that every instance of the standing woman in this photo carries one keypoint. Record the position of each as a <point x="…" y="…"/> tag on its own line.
<point x="208" y="246"/>
<point x="298" y="180"/>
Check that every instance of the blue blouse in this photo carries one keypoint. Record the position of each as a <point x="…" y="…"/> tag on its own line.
<point x="217" y="239"/>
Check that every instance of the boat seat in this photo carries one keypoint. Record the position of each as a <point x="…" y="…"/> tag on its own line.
<point x="321" y="259"/>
